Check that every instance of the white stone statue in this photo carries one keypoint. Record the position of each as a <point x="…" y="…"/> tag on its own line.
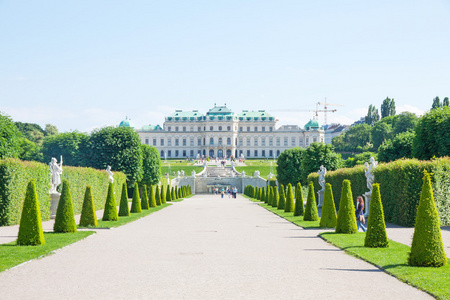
<point x="111" y="174"/>
<point x="182" y="173"/>
<point x="256" y="174"/>
<point x="55" y="174"/>
<point x="243" y="174"/>
<point x="368" y="171"/>
<point x="322" y="171"/>
<point x="178" y="173"/>
<point x="193" y="173"/>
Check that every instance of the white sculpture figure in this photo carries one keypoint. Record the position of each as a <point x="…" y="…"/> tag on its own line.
<point x="193" y="173"/>
<point x="368" y="171"/>
<point x="111" y="174"/>
<point x="322" y="171"/>
<point x="55" y="174"/>
<point x="256" y="174"/>
<point x="243" y="173"/>
<point x="178" y="173"/>
<point x="182" y="173"/>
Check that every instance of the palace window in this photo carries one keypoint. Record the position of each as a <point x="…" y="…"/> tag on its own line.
<point x="293" y="142"/>
<point x="177" y="142"/>
<point x="263" y="129"/>
<point x="176" y="153"/>
<point x="184" y="153"/>
<point x="248" y="141"/>
<point x="256" y="153"/>
<point x="270" y="153"/>
<point x="240" y="129"/>
<point x="270" y="128"/>
<point x="241" y="142"/>
<point x="228" y="128"/>
<point x="199" y="142"/>
<point x="211" y="141"/>
<point x="184" y="142"/>
<point x="176" y="128"/>
<point x="169" y="128"/>
<point x="228" y="141"/>
<point x="256" y="128"/>
<point x="270" y="141"/>
<point x="169" y="142"/>
<point x="154" y="142"/>
<point x="314" y="139"/>
<point x="169" y="153"/>
<point x="307" y="140"/>
<point x="263" y="153"/>
<point x="220" y="128"/>
<point x="162" y="142"/>
<point x="191" y="153"/>
<point x="278" y="142"/>
<point x="255" y="141"/>
<point x="285" y="141"/>
<point x="263" y="142"/>
<point x="184" y="128"/>
<point x="300" y="142"/>
<point x="146" y="141"/>
<point x="220" y="141"/>
<point x="191" y="142"/>
<point x="248" y="128"/>
<point x="211" y="128"/>
<point x="248" y="153"/>
<point x="199" y="128"/>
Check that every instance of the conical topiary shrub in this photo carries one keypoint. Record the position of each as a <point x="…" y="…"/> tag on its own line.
<point x="299" y="207"/>
<point x="168" y="194"/>
<point x="30" y="230"/>
<point x="144" y="198"/>
<point x="151" y="196"/>
<point x="289" y="207"/>
<point x="136" y="202"/>
<point x="282" y="200"/>
<point x="328" y="218"/>
<point x="311" y="213"/>
<point x="346" y="219"/>
<point x="269" y="201"/>
<point x="157" y="196"/>
<point x="163" y="194"/>
<point x="172" y="194"/>
<point x="427" y="249"/>
<point x="88" y="216"/>
<point x="110" y="212"/>
<point x="376" y="235"/>
<point x="124" y="210"/>
<point x="276" y="197"/>
<point x="263" y="195"/>
<point x="65" y="217"/>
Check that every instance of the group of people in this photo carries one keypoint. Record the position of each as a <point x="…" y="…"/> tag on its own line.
<point x="231" y="192"/>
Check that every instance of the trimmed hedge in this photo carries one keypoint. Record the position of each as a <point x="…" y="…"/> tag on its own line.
<point x="15" y="175"/>
<point x="30" y="230"/>
<point x="400" y="187"/>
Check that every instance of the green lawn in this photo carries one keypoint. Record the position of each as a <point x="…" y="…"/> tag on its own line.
<point x="263" y="170"/>
<point x="260" y="162"/>
<point x="187" y="170"/>
<point x="12" y="255"/>
<point x="290" y="217"/>
<point x="393" y="260"/>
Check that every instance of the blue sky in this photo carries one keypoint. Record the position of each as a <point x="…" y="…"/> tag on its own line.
<point x="81" y="65"/>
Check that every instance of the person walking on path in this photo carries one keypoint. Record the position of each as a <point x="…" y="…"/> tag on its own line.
<point x="221" y="193"/>
<point x="360" y="220"/>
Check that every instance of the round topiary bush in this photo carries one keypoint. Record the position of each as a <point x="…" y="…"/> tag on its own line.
<point x="299" y="208"/>
<point x="346" y="220"/>
<point x="151" y="194"/>
<point x="328" y="218"/>
<point x="376" y="235"/>
<point x="30" y="229"/>
<point x="289" y="207"/>
<point x="311" y="213"/>
<point x="88" y="216"/>
<point x="136" y="202"/>
<point x="144" y="199"/>
<point x="282" y="200"/>
<point x="157" y="196"/>
<point x="110" y="211"/>
<point x="65" y="217"/>
<point x="124" y="210"/>
<point x="427" y="249"/>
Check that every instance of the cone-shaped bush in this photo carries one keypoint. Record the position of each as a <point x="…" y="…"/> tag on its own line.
<point x="172" y="194"/>
<point x="30" y="230"/>
<point x="88" y="216"/>
<point x="376" y="235"/>
<point x="311" y="213"/>
<point x="276" y="197"/>
<point x="157" y="196"/>
<point x="65" y="217"/>
<point x="299" y="207"/>
<point x="346" y="220"/>
<point x="263" y="195"/>
<point x="110" y="212"/>
<point x="136" y="203"/>
<point x="124" y="210"/>
<point x="151" y="196"/>
<point x="282" y="199"/>
<point x="328" y="218"/>
<point x="427" y="249"/>
<point x="267" y="197"/>
<point x="269" y="201"/>
<point x="163" y="195"/>
<point x="177" y="193"/>
<point x="144" y="198"/>
<point x="289" y="206"/>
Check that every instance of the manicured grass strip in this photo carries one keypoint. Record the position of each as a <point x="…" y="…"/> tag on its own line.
<point x="250" y="198"/>
<point x="12" y="255"/>
<point x="394" y="260"/>
<point x="290" y="217"/>
<point x="125" y="220"/>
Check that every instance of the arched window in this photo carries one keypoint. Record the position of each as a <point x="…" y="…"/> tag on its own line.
<point x="211" y="128"/>
<point x="228" y="143"/>
<point x="220" y="141"/>
<point x="162" y="153"/>
<point x="220" y="128"/>
<point x="211" y="141"/>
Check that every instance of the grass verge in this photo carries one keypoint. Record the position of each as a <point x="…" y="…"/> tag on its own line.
<point x="12" y="255"/>
<point x="394" y="260"/>
<point x="132" y="217"/>
<point x="290" y="217"/>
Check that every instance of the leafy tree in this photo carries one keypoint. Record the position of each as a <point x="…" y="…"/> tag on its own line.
<point x="359" y="159"/>
<point x="436" y="103"/>
<point x="118" y="147"/>
<point x="372" y="115"/>
<point x="50" y="130"/>
<point x="318" y="154"/>
<point x="289" y="166"/>
<point x="10" y="138"/>
<point x="29" y="150"/>
<point x="31" y="131"/>
<point x="433" y="134"/>
<point x="276" y="197"/>
<point x="71" y="145"/>
<point x="400" y="146"/>
<point x="380" y="132"/>
<point x="388" y="107"/>
<point x="355" y="139"/>
<point x="151" y="165"/>
<point x="65" y="216"/>
<point x="30" y="230"/>
<point x="406" y="121"/>
<point x="445" y="102"/>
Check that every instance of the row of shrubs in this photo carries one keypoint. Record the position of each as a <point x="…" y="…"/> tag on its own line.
<point x="400" y="184"/>
<point x="427" y="247"/>
<point x="15" y="174"/>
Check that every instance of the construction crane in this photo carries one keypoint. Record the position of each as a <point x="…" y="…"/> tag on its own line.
<point x="325" y="106"/>
<point x="315" y="111"/>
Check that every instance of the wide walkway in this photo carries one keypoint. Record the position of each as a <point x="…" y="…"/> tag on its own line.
<point x="204" y="247"/>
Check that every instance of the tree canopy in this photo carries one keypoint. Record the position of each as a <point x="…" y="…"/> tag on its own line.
<point x="289" y="166"/>
<point x="151" y="165"/>
<point x="10" y="138"/>
<point x="318" y="154"/>
<point x="71" y="145"/>
<point x="388" y="108"/>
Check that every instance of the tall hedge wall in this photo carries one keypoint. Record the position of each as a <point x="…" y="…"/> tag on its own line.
<point x="15" y="174"/>
<point x="400" y="186"/>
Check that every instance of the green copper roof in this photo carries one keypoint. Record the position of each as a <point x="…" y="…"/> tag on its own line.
<point x="185" y="115"/>
<point x="126" y="123"/>
<point x="255" y="115"/>
<point x="151" y="127"/>
<point x="312" y="124"/>
<point x="219" y="111"/>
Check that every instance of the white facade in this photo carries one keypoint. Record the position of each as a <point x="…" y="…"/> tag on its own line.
<point x="221" y="133"/>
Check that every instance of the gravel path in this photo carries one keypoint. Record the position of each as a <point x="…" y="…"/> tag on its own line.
<point x="204" y="247"/>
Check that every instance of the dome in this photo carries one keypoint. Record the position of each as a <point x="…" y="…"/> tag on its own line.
<point x="126" y="123"/>
<point x="312" y="124"/>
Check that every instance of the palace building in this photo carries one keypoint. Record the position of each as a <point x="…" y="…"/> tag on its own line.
<point x="222" y="133"/>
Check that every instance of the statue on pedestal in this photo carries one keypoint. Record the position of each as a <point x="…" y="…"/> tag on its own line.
<point x="322" y="171"/>
<point x="243" y="174"/>
<point x="256" y="174"/>
<point x="111" y="174"/>
<point x="368" y="171"/>
<point x="193" y="173"/>
<point x="55" y="174"/>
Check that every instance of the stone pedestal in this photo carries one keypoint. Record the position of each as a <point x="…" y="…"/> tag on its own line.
<point x="320" y="198"/>
<point x="54" y="204"/>
<point x="367" y="197"/>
